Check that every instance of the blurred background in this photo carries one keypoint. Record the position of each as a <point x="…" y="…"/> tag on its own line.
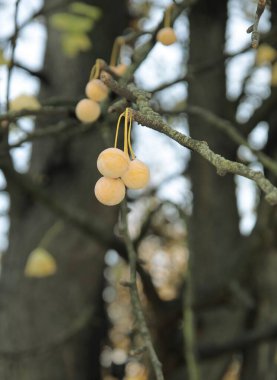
<point x="198" y="235"/>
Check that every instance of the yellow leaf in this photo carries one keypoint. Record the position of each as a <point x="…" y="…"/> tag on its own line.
<point x="67" y="22"/>
<point x="274" y="75"/>
<point x="265" y="54"/>
<point x="86" y="10"/>
<point x="40" y="263"/>
<point x="23" y="102"/>
<point x="3" y="60"/>
<point x="74" y="43"/>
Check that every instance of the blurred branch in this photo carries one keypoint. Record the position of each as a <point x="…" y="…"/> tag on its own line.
<point x="142" y="51"/>
<point x="78" y="219"/>
<point x="136" y="304"/>
<point x="42" y="11"/>
<point x="84" y="318"/>
<point x="243" y="342"/>
<point x="262" y="112"/>
<point x="38" y="74"/>
<point x="253" y="29"/>
<point x="164" y="86"/>
<point x="230" y="130"/>
<point x="13" y="47"/>
<point x="146" y="116"/>
<point x="189" y="328"/>
<point x="43" y="111"/>
<point x="61" y="129"/>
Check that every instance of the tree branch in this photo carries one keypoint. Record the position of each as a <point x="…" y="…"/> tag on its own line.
<point x="253" y="29"/>
<point x="136" y="304"/>
<point x="146" y="116"/>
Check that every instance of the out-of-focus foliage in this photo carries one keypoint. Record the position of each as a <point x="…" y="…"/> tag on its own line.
<point x="24" y="101"/>
<point x="40" y="263"/>
<point x="74" y="26"/>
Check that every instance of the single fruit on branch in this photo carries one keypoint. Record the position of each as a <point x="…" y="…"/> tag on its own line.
<point x="96" y="90"/>
<point x="137" y="175"/>
<point x="109" y="191"/>
<point x="87" y="110"/>
<point x="113" y="162"/>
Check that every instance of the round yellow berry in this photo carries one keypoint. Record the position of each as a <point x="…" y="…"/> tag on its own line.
<point x="97" y="90"/>
<point x="166" y="36"/>
<point x="109" y="191"/>
<point x="87" y="110"/>
<point x="137" y="175"/>
<point x="112" y="162"/>
<point x="119" y="69"/>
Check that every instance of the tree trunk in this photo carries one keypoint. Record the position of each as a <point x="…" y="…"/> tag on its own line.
<point x="214" y="234"/>
<point x="52" y="328"/>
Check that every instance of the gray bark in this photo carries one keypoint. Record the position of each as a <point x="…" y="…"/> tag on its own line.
<point x="61" y="315"/>
<point x="214" y="235"/>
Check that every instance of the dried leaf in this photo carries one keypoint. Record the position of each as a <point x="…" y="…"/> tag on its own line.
<point x="3" y="60"/>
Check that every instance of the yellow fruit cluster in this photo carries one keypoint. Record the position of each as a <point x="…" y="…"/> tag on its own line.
<point x="88" y="110"/>
<point x="166" y="35"/>
<point x="118" y="170"/>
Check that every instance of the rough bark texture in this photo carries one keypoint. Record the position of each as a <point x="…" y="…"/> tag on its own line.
<point x="214" y="234"/>
<point x="62" y="312"/>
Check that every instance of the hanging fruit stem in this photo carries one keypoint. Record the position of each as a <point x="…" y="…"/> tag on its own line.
<point x="127" y="114"/>
<point x="167" y="16"/>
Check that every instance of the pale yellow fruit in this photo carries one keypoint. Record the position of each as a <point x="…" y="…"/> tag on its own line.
<point x="137" y="176"/>
<point x="109" y="191"/>
<point x="40" y="263"/>
<point x="274" y="75"/>
<point x="97" y="90"/>
<point x="119" y="69"/>
<point x="166" y="36"/>
<point x="87" y="110"/>
<point x="265" y="54"/>
<point x="112" y="162"/>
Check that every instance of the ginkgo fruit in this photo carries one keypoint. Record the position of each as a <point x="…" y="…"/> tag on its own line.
<point x="40" y="263"/>
<point x="166" y="36"/>
<point x="119" y="69"/>
<point x="137" y="175"/>
<point x="87" y="110"/>
<point x="109" y="191"/>
<point x="97" y="90"/>
<point x="113" y="162"/>
<point x="265" y="54"/>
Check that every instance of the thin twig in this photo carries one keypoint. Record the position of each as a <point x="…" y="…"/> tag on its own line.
<point x="189" y="329"/>
<point x="11" y="62"/>
<point x="230" y="130"/>
<point x="137" y="308"/>
<point x="43" y="111"/>
<point x="253" y="29"/>
<point x="62" y="129"/>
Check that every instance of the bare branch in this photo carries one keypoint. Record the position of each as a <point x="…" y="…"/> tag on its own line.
<point x="253" y="29"/>
<point x="137" y="308"/>
<point x="189" y="329"/>
<point x="230" y="130"/>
